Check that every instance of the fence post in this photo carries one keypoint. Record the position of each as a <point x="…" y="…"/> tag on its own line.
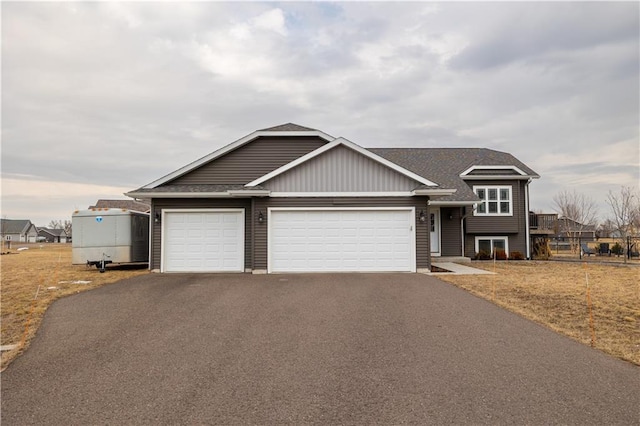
<point x="580" y="247"/>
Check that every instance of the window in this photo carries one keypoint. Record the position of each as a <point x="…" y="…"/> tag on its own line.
<point x="494" y="201"/>
<point x="489" y="244"/>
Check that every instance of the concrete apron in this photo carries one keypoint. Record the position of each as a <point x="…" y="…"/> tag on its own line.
<point x="457" y="269"/>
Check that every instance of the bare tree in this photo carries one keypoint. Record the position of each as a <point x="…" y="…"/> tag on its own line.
<point x="577" y="212"/>
<point x="625" y="211"/>
<point x="59" y="224"/>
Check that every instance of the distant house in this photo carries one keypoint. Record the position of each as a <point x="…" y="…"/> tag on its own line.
<point x="21" y="231"/>
<point x="48" y="235"/>
<point x="138" y="206"/>
<point x="567" y="229"/>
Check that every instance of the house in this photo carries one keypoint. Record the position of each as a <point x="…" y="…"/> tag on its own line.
<point x="295" y="199"/>
<point x="20" y="231"/>
<point x="568" y="229"/>
<point x="52" y="235"/>
<point x="137" y="206"/>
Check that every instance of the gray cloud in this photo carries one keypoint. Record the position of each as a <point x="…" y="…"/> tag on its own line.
<point x="118" y="94"/>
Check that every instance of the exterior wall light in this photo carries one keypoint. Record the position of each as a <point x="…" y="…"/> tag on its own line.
<point x="260" y="217"/>
<point x="157" y="218"/>
<point x="422" y="217"/>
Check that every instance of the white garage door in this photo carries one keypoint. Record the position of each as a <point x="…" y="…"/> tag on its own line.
<point x="203" y="241"/>
<point x="347" y="240"/>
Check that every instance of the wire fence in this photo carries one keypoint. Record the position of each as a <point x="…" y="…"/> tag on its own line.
<point x="621" y="250"/>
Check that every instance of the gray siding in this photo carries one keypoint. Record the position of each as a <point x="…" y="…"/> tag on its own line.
<point x="251" y="161"/>
<point x="341" y="169"/>
<point x="158" y="205"/>
<point x="489" y="225"/>
<point x="513" y="227"/>
<point x="423" y="255"/>
<point x="450" y="235"/>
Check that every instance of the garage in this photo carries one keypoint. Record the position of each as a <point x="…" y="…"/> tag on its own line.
<point x="341" y="240"/>
<point x="203" y="240"/>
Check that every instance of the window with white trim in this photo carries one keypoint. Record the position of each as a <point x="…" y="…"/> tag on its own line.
<point x="489" y="244"/>
<point x="494" y="201"/>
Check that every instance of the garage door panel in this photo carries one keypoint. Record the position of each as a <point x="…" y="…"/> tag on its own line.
<point x="341" y="240"/>
<point x="208" y="241"/>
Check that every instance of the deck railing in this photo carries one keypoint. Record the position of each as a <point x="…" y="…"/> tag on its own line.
<point x="543" y="221"/>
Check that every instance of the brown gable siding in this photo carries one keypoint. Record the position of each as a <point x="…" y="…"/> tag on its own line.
<point x="251" y="161"/>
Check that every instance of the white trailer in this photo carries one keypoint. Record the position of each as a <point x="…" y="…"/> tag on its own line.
<point x="103" y="236"/>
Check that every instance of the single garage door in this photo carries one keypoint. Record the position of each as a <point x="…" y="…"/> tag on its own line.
<point x="203" y="241"/>
<point x="342" y="240"/>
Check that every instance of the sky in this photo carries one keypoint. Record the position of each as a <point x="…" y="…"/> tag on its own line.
<point x="100" y="98"/>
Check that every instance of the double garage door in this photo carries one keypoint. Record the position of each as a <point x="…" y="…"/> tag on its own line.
<point x="298" y="240"/>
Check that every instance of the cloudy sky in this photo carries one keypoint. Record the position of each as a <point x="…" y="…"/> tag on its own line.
<point x="102" y="98"/>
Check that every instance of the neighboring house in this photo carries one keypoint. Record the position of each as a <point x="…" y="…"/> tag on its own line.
<point x="19" y="231"/>
<point x="138" y="206"/>
<point x="52" y="235"/>
<point x="294" y="199"/>
<point x="568" y="229"/>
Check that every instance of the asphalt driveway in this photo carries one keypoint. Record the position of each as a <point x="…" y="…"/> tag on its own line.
<point x="299" y="349"/>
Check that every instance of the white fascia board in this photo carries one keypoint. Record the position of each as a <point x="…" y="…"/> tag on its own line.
<point x="228" y="148"/>
<point x="523" y="175"/>
<point x="438" y="191"/>
<point x="349" y="144"/>
<point x="340" y="194"/>
<point x="224" y="194"/>
<point x="499" y="177"/>
<point x="249" y="193"/>
<point x="451" y="203"/>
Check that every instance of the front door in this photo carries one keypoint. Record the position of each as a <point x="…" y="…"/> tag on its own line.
<point x="435" y="232"/>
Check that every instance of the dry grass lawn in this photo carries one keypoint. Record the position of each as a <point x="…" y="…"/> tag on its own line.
<point x="551" y="293"/>
<point x="555" y="294"/>
<point x="45" y="271"/>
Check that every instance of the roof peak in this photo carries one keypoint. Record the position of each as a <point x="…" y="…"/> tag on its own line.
<point x="288" y="127"/>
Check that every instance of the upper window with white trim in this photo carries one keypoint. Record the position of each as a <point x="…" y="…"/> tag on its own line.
<point x="494" y="200"/>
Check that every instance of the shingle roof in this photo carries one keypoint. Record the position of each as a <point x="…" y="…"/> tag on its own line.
<point x="288" y="127"/>
<point x="444" y="165"/>
<point x="137" y="206"/>
<point x="54" y="232"/>
<point x="14" y="226"/>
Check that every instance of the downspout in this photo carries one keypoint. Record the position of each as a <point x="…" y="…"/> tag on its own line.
<point x="526" y="218"/>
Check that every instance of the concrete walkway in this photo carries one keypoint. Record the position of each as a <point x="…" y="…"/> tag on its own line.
<point x="457" y="269"/>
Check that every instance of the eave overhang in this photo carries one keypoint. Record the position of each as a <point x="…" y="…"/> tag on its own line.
<point x="466" y="175"/>
<point x="433" y="192"/>
<point x="452" y="203"/>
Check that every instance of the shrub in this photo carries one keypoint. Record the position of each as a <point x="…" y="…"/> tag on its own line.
<point x="501" y="254"/>
<point x="516" y="255"/>
<point x="483" y="255"/>
<point x="617" y="249"/>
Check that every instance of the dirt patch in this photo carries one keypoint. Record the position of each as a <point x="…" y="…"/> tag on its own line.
<point x="555" y="294"/>
<point x="32" y="279"/>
